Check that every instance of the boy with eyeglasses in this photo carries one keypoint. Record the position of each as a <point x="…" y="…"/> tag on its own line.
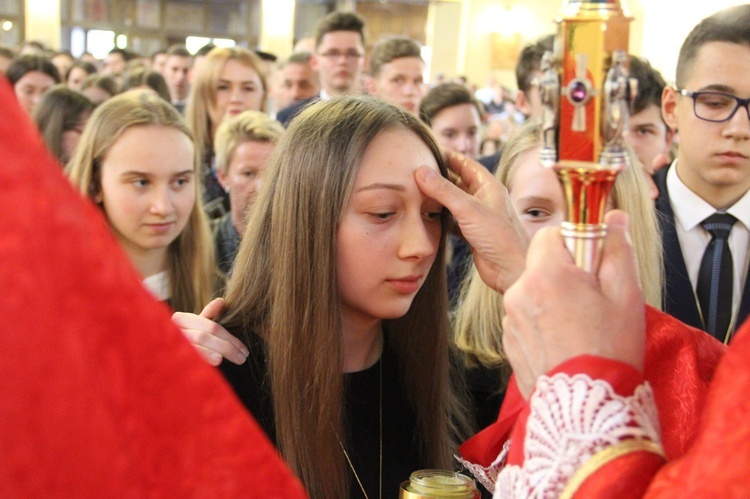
<point x="338" y="59"/>
<point x="704" y="195"/>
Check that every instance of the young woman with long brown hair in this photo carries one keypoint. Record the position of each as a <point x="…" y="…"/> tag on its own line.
<point x="338" y="292"/>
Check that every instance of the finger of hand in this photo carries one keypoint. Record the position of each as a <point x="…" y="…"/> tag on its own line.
<point x="229" y="337"/>
<point x="191" y="322"/>
<point x="442" y="190"/>
<point x="473" y="175"/>
<point x="211" y="357"/>
<point x="213" y="309"/>
<point x="618" y="272"/>
<point x="214" y="343"/>
<point x="547" y="248"/>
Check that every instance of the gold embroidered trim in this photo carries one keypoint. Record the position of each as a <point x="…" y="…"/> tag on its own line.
<point x="606" y="456"/>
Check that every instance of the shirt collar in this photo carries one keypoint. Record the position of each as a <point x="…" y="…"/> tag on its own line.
<point x="690" y="209"/>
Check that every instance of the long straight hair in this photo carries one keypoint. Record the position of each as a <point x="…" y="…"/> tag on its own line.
<point x="191" y="269"/>
<point x="478" y="322"/>
<point x="284" y="287"/>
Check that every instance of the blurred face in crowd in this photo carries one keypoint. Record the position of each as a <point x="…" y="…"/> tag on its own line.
<point x="457" y="129"/>
<point x="147" y="189"/>
<point x="158" y="63"/>
<point x="339" y="60"/>
<point x="176" y="70"/>
<point x="114" y="64"/>
<point x="648" y="135"/>
<point x="76" y="77"/>
<point x="244" y="177"/>
<point x="30" y="87"/>
<point x="62" y="62"/>
<point x="400" y="82"/>
<point x="239" y="88"/>
<point x="296" y="81"/>
<point x="70" y="138"/>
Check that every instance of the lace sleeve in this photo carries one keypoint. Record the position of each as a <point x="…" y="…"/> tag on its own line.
<point x="574" y="418"/>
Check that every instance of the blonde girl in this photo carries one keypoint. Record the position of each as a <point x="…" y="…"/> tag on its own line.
<point x="537" y="198"/>
<point x="227" y="82"/>
<point x="136" y="160"/>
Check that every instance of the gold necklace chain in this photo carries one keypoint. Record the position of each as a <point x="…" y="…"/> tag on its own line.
<point x="380" y="424"/>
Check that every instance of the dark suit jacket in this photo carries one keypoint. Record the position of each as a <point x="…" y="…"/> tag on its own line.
<point x="286" y="115"/>
<point x="679" y="297"/>
<point x="490" y="162"/>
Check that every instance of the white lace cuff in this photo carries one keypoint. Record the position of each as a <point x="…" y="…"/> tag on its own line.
<point x="487" y="476"/>
<point x="572" y="419"/>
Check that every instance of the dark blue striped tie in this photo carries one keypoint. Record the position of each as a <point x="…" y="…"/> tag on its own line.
<point x="715" y="279"/>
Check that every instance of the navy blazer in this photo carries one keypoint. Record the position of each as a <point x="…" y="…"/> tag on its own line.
<point x="286" y="115"/>
<point x="679" y="297"/>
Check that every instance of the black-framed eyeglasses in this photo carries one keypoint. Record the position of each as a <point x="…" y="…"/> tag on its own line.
<point x="349" y="55"/>
<point x="715" y="106"/>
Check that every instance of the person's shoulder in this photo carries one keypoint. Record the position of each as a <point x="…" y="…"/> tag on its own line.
<point x="286" y="115"/>
<point x="490" y="162"/>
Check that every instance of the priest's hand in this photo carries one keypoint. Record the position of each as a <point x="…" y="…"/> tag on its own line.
<point x="482" y="209"/>
<point x="211" y="340"/>
<point x="557" y="311"/>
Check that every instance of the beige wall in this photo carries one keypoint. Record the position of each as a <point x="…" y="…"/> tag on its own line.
<point x="42" y="22"/>
<point x="528" y="20"/>
<point x="657" y="31"/>
<point x="277" y="27"/>
<point x="660" y="40"/>
<point x="444" y="37"/>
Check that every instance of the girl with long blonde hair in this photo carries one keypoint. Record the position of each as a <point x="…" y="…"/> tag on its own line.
<point x="537" y="198"/>
<point x="136" y="160"/>
<point x="227" y="82"/>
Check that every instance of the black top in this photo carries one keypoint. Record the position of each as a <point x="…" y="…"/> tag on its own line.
<point x="362" y="395"/>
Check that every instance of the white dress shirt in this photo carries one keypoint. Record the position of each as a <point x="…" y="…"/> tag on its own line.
<point x="690" y="210"/>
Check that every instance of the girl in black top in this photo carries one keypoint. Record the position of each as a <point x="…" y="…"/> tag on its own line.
<point x="338" y="291"/>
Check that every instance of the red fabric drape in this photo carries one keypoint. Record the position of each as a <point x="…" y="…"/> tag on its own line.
<point x="100" y="395"/>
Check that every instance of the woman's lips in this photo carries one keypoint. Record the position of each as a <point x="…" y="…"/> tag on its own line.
<point x="406" y="285"/>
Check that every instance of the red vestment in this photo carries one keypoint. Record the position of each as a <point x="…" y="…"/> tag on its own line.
<point x="100" y="394"/>
<point x="716" y="462"/>
<point x="679" y="364"/>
